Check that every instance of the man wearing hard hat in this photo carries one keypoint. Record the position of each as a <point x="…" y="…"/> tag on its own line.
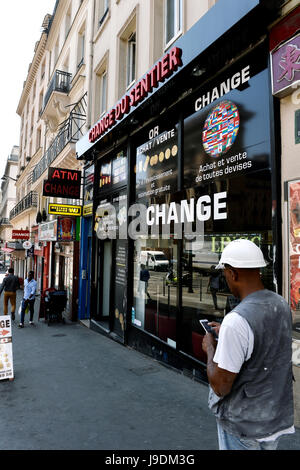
<point x="249" y="366"/>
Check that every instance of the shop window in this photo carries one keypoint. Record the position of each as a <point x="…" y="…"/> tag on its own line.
<point x="173" y="19"/>
<point x="205" y="293"/>
<point x="156" y="250"/>
<point x="113" y="172"/>
<point x="294" y="253"/>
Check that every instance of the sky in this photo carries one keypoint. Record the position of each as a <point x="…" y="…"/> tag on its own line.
<point x="20" y="28"/>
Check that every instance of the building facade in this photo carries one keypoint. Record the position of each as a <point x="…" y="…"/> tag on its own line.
<point x="285" y="74"/>
<point x="8" y="200"/>
<point x="181" y="158"/>
<point x="52" y="108"/>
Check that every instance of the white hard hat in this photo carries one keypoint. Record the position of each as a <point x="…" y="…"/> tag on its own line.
<point x="242" y="254"/>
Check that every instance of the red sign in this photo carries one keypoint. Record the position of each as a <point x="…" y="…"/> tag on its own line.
<point x="64" y="190"/>
<point x="20" y="234"/>
<point x="162" y="70"/>
<point x="65" y="176"/>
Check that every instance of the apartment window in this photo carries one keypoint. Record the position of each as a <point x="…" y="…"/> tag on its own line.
<point x="41" y="100"/>
<point x="68" y="22"/>
<point x="38" y="138"/>
<point x="103" y="93"/>
<point x="103" y="10"/>
<point x="173" y="19"/>
<point x="81" y="46"/>
<point x="131" y="59"/>
<point x="43" y="70"/>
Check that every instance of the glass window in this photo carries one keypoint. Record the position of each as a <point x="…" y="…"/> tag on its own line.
<point x="173" y="19"/>
<point x="105" y="175"/>
<point x="119" y="168"/>
<point x="205" y="293"/>
<point x="131" y="58"/>
<point x="156" y="253"/>
<point x="155" y="286"/>
<point x="113" y="172"/>
<point x="294" y="253"/>
<point x="103" y="10"/>
<point x="103" y="99"/>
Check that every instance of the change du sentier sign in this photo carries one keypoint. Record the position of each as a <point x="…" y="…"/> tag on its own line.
<point x="6" y="354"/>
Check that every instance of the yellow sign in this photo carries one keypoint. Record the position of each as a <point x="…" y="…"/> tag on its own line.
<point x="87" y="210"/>
<point x="64" y="209"/>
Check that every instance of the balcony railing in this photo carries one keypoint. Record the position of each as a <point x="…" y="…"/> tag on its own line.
<point x="60" y="82"/>
<point x="4" y="221"/>
<point x="70" y="132"/>
<point x="31" y="200"/>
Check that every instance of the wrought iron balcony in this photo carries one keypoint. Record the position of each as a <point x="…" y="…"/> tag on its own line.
<point x="70" y="131"/>
<point x="60" y="82"/>
<point x="29" y="201"/>
<point x="4" y="221"/>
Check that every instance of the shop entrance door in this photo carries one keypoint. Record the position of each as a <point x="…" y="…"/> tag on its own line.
<point x="111" y="280"/>
<point x="106" y="283"/>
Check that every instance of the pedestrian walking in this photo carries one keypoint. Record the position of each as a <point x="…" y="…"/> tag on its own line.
<point x="144" y="279"/>
<point x="249" y="367"/>
<point x="10" y="285"/>
<point x="28" y="299"/>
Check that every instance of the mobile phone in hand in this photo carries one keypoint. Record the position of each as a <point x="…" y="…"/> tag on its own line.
<point x="207" y="328"/>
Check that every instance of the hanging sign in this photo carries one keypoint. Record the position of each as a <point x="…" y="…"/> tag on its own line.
<point x="64" y="209"/>
<point x="63" y="183"/>
<point x="6" y="355"/>
<point x="20" y="235"/>
<point x="27" y="245"/>
<point x="286" y="67"/>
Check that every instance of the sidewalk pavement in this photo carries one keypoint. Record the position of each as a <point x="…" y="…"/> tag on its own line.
<point x="75" y="389"/>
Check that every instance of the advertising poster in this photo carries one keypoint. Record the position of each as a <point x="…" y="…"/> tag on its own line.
<point x="227" y="132"/>
<point x="294" y="251"/>
<point x="156" y="164"/>
<point x="6" y="354"/>
<point x="120" y="294"/>
<point x="66" y="229"/>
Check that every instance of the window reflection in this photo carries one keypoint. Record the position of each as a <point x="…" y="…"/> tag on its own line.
<point x="155" y="288"/>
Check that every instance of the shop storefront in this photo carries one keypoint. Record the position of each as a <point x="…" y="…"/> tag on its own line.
<point x="86" y="243"/>
<point x="59" y="264"/>
<point x="285" y="55"/>
<point x="181" y="169"/>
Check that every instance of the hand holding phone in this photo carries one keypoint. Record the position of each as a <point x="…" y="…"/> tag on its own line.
<point x="207" y="328"/>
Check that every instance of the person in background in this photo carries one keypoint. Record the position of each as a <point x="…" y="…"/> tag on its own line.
<point x="144" y="279"/>
<point x="10" y="285"/>
<point x="249" y="368"/>
<point x="29" y="298"/>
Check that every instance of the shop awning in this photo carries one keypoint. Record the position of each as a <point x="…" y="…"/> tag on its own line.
<point x="7" y="250"/>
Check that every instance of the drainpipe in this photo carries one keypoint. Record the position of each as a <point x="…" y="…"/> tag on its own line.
<point x="90" y="80"/>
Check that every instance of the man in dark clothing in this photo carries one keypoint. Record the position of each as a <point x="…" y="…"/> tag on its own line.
<point x="144" y="279"/>
<point x="10" y="285"/>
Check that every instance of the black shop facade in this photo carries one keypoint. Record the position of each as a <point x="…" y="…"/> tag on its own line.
<point x="189" y="166"/>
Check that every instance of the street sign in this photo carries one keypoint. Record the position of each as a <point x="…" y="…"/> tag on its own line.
<point x="27" y="245"/>
<point x="6" y="355"/>
<point x="64" y="209"/>
<point x="20" y="235"/>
